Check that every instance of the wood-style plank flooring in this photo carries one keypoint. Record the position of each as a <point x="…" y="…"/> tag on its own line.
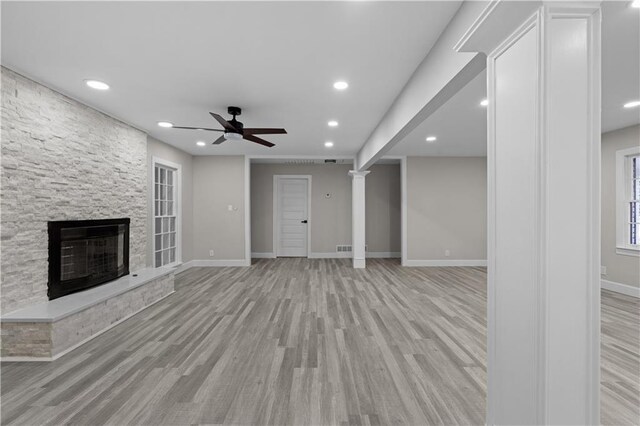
<point x="297" y="341"/>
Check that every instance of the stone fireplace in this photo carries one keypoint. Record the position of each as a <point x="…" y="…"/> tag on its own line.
<point x="63" y="161"/>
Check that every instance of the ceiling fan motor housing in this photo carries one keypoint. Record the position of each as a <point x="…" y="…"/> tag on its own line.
<point x="233" y="110"/>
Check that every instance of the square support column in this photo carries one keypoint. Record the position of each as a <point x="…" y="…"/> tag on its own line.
<point x="358" y="215"/>
<point x="543" y="71"/>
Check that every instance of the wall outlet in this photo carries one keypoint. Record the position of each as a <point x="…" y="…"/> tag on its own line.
<point x="447" y="253"/>
<point x="603" y="270"/>
<point x="211" y="253"/>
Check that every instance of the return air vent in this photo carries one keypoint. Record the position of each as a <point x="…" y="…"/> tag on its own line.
<point x="299" y="162"/>
<point x="348" y="248"/>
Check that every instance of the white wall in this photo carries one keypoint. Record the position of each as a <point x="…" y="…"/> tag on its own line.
<point x="330" y="217"/>
<point x="161" y="150"/>
<point x="219" y="181"/>
<point x="446" y="209"/>
<point x="620" y="269"/>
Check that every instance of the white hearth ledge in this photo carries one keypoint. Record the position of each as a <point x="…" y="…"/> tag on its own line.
<point x="57" y="309"/>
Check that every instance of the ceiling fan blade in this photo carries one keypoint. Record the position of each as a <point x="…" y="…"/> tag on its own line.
<point x="258" y="140"/>
<point x="264" y="131"/>
<point x="197" y="128"/>
<point x="223" y="122"/>
<point x="220" y="140"/>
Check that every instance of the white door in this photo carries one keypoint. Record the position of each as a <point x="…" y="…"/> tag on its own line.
<point x="292" y="216"/>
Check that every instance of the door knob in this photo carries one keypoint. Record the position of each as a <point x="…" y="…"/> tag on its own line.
<point x="303" y="221"/>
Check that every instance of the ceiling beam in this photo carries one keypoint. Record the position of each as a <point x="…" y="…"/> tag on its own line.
<point x="442" y="73"/>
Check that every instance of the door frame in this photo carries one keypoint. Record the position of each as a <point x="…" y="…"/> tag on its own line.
<point x="276" y="217"/>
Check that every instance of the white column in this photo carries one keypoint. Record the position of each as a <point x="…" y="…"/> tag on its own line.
<point x="358" y="218"/>
<point x="543" y="62"/>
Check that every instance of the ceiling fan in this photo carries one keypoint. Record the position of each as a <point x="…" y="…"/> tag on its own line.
<point x="235" y="130"/>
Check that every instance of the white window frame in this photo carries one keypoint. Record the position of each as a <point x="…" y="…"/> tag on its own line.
<point x="623" y="191"/>
<point x="177" y="199"/>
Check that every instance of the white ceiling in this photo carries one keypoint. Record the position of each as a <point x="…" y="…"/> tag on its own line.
<point x="461" y="125"/>
<point x="176" y="61"/>
<point x="620" y="64"/>
<point x="277" y="60"/>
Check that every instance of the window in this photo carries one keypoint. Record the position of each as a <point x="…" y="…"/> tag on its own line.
<point x="628" y="201"/>
<point x="166" y="246"/>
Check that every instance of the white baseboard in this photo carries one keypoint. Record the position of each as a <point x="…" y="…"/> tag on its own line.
<point x="620" y="288"/>
<point x="263" y="255"/>
<point x="446" y="262"/>
<point x="215" y="263"/>
<point x="349" y="255"/>
<point x="330" y="255"/>
<point x="383" y="254"/>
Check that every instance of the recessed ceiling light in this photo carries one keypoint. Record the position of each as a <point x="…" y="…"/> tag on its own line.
<point x="635" y="3"/>
<point x="484" y="102"/>
<point x="431" y="138"/>
<point x="95" y="84"/>
<point x="340" y="85"/>
<point x="632" y="104"/>
<point x="328" y="144"/>
<point x="200" y="143"/>
<point x="165" y="124"/>
<point x="332" y="123"/>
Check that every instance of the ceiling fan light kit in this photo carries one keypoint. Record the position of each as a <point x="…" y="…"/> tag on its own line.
<point x="230" y="136"/>
<point x="235" y="130"/>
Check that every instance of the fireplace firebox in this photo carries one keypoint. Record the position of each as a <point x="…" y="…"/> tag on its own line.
<point x="86" y="253"/>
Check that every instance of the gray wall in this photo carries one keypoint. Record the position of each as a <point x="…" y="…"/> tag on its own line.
<point x="383" y="198"/>
<point x="330" y="217"/>
<point x="61" y="160"/>
<point x="620" y="269"/>
<point x="446" y="208"/>
<point x="218" y="181"/>
<point x="156" y="148"/>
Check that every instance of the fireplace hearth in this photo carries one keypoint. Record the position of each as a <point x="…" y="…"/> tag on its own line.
<point x="86" y="253"/>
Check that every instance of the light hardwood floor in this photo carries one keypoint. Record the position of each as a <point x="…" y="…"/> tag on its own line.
<point x="297" y="341"/>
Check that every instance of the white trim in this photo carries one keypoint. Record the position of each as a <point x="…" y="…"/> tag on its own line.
<point x="330" y="255"/>
<point x="263" y="255"/>
<point x="445" y="262"/>
<point x="347" y="255"/>
<point x="276" y="219"/>
<point x="82" y="342"/>
<point x="479" y="22"/>
<point x="383" y="254"/>
<point x="620" y="288"/>
<point x="301" y="157"/>
<point x="247" y="209"/>
<point x="624" y="251"/>
<point x="177" y="204"/>
<point x="206" y="263"/>
<point x="622" y="198"/>
<point x="403" y="209"/>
